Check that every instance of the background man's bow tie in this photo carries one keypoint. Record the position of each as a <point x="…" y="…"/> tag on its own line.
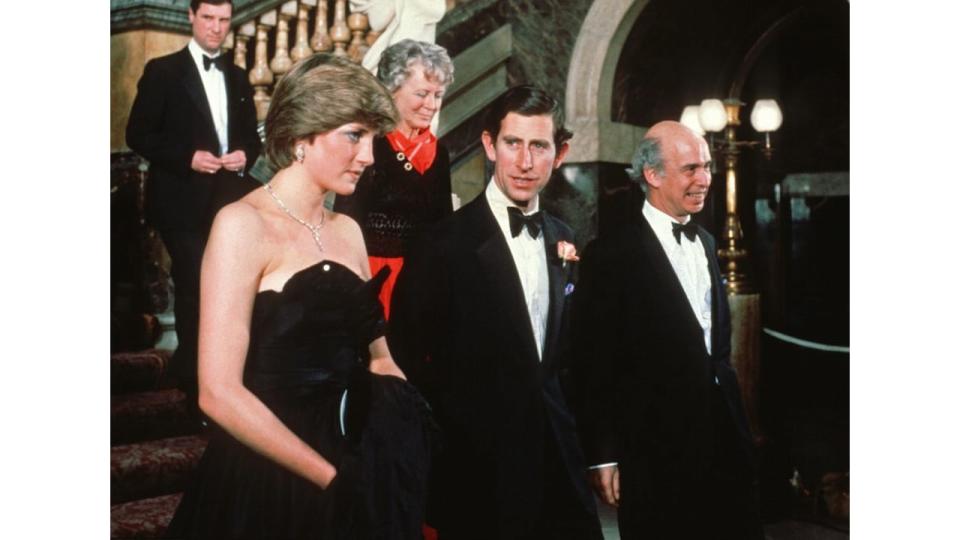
<point x="689" y="230"/>
<point x="218" y="62"/>
<point x="533" y="222"/>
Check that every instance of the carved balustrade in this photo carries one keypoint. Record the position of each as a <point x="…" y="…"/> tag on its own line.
<point x="262" y="46"/>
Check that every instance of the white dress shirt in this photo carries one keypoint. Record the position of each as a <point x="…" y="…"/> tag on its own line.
<point x="216" y="90"/>
<point x="530" y="258"/>
<point x="689" y="262"/>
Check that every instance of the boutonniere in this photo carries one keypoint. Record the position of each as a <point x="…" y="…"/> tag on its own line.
<point x="567" y="252"/>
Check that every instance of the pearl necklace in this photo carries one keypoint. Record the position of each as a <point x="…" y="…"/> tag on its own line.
<point x="314" y="229"/>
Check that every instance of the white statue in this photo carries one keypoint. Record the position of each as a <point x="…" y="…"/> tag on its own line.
<point x="397" y="20"/>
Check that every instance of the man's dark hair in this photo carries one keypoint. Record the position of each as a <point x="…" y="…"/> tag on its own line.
<point x="195" y="4"/>
<point x="526" y="100"/>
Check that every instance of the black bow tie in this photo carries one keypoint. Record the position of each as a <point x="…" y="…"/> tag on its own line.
<point x="533" y="222"/>
<point x="689" y="230"/>
<point x="217" y="62"/>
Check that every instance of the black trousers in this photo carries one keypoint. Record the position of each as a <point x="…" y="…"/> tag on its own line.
<point x="185" y="247"/>
<point x="564" y="516"/>
<point x="561" y="515"/>
<point x="718" y="504"/>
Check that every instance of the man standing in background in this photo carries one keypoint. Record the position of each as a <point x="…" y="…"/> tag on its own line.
<point x="195" y="121"/>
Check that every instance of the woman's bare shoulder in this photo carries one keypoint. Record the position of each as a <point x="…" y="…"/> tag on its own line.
<point x="343" y="221"/>
<point x="241" y="224"/>
<point x="250" y="211"/>
<point x="346" y="228"/>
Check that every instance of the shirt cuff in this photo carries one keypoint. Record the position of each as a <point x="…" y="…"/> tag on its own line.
<point x="602" y="465"/>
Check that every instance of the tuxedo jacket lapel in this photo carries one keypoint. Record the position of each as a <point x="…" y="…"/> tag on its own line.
<point x="503" y="281"/>
<point x="558" y="282"/>
<point x="228" y="88"/>
<point x="666" y="280"/>
<point x="194" y="86"/>
<point x="233" y="106"/>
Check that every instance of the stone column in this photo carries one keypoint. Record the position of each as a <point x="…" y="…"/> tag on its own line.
<point x="301" y="48"/>
<point x="357" y="22"/>
<point x="745" y="351"/>
<point x="372" y="36"/>
<point x="340" y="32"/>
<point x="243" y="35"/>
<point x="260" y="76"/>
<point x="321" y="42"/>
<point x="281" y="61"/>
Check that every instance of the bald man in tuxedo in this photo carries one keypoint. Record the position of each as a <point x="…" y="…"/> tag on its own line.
<point x="660" y="413"/>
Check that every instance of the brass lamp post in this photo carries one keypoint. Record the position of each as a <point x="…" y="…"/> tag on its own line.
<point x="714" y="116"/>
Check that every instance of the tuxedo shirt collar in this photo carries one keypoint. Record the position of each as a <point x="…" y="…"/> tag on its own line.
<point x="197" y="53"/>
<point x="499" y="203"/>
<point x="661" y="222"/>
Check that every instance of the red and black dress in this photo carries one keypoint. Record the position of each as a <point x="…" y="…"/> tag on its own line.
<point x="406" y="188"/>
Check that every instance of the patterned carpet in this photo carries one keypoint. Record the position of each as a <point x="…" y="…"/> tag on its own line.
<point x="154" y="447"/>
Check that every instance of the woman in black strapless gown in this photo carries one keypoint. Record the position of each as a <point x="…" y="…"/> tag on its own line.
<point x="317" y="434"/>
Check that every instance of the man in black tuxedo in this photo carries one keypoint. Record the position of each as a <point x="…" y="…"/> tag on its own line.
<point x="659" y="407"/>
<point x="479" y="324"/>
<point x="194" y="120"/>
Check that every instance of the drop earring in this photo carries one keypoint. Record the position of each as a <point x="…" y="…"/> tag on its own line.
<point x="299" y="154"/>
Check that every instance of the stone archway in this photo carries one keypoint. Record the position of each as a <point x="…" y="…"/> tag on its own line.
<point x="590" y="84"/>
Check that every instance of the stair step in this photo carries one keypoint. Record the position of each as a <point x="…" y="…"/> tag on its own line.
<point x="153" y="468"/>
<point x="139" y="371"/>
<point x="145" y="518"/>
<point x="149" y="415"/>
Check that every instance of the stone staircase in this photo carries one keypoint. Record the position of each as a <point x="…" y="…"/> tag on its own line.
<point x="154" y="445"/>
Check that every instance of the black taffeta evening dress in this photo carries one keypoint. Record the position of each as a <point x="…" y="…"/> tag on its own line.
<point x="307" y="361"/>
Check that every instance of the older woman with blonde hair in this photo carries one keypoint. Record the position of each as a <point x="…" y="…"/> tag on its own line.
<point x="316" y="432"/>
<point x="409" y="186"/>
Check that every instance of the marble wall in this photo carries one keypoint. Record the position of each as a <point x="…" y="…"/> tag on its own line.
<point x="544" y="34"/>
<point x="129" y="52"/>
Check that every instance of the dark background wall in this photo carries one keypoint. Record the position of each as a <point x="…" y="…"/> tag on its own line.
<point x="672" y="58"/>
<point x="797" y="52"/>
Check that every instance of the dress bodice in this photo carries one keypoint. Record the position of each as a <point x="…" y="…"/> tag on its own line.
<point x="307" y="362"/>
<point x="316" y="329"/>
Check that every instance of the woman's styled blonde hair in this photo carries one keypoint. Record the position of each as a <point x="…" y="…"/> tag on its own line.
<point x="320" y="93"/>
